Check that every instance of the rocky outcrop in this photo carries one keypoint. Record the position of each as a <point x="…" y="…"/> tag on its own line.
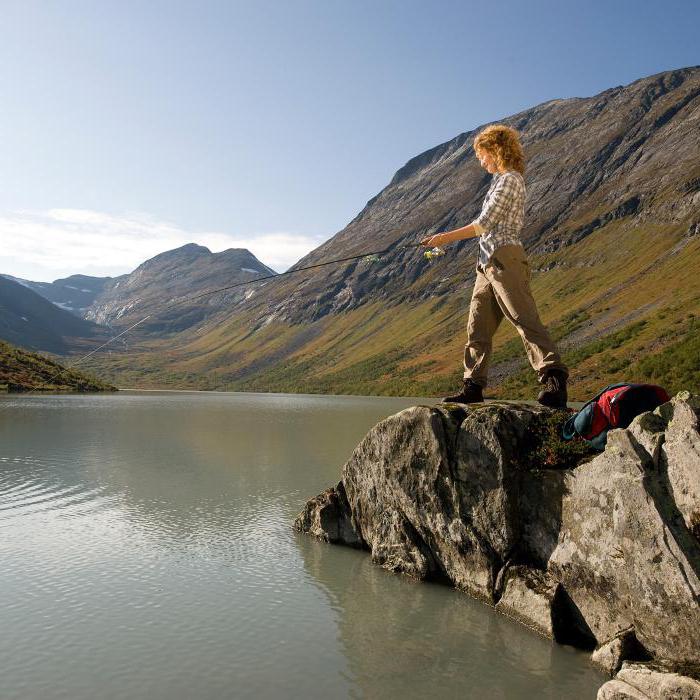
<point x="328" y="517"/>
<point x="625" y="555"/>
<point x="642" y="682"/>
<point x="597" y="551"/>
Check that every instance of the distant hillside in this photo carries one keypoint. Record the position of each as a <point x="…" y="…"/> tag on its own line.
<point x="75" y="293"/>
<point x="23" y="371"/>
<point x="173" y="275"/>
<point x="29" y="320"/>
<point x="612" y="224"/>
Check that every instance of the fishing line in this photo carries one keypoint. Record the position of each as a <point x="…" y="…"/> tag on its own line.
<point x="223" y="289"/>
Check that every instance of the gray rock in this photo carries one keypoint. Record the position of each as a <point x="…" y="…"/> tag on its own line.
<point x="611" y="655"/>
<point x="487" y="475"/>
<point x="624" y="559"/>
<point x="405" y="503"/>
<point x="448" y="506"/>
<point x="619" y="690"/>
<point x="327" y="517"/>
<point x="541" y="497"/>
<point x="681" y="457"/>
<point x="529" y="597"/>
<point x="670" y="436"/>
<point x="595" y="555"/>
<point x="647" y="682"/>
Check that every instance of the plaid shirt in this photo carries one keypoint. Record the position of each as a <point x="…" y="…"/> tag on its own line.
<point x="502" y="214"/>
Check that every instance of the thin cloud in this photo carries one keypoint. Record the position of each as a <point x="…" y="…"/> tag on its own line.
<point x="59" y="242"/>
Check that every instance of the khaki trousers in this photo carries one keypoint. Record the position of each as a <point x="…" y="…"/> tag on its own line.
<point x="501" y="289"/>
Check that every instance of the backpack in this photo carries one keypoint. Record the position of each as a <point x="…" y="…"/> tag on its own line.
<point x="614" y="407"/>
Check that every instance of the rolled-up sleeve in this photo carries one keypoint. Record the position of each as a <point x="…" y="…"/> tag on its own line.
<point x="498" y="202"/>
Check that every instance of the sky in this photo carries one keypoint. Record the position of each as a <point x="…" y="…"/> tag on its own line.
<point x="129" y="128"/>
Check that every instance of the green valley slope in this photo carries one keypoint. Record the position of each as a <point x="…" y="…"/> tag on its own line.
<point x="21" y="370"/>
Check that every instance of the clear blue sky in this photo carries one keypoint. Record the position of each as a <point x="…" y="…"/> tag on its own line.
<point x="250" y="120"/>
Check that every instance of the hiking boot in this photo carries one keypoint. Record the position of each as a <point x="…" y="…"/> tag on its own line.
<point x="471" y="393"/>
<point x="554" y="393"/>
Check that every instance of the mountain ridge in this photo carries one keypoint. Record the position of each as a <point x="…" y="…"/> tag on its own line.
<point x="171" y="276"/>
<point x="31" y="321"/>
<point x="612" y="212"/>
<point x="160" y="282"/>
<point x="74" y="293"/>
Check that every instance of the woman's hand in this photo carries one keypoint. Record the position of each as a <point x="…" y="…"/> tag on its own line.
<point x="433" y="241"/>
<point x="441" y="239"/>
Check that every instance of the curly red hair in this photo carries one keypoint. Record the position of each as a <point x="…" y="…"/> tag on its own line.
<point x="503" y="143"/>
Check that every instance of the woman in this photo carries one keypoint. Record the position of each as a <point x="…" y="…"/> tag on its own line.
<point x="502" y="286"/>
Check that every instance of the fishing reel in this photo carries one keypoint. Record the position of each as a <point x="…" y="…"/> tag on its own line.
<point x="435" y="252"/>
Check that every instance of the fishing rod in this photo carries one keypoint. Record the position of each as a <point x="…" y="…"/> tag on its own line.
<point x="372" y="257"/>
<point x="376" y="254"/>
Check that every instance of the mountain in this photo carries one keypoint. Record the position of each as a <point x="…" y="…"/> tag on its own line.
<point x="75" y="293"/>
<point x="612" y="224"/>
<point x="29" y="320"/>
<point x="160" y="285"/>
<point x="25" y="371"/>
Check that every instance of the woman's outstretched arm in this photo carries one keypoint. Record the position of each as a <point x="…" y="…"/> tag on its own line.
<point x="472" y="230"/>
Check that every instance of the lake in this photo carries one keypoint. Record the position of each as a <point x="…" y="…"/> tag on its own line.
<point x="147" y="552"/>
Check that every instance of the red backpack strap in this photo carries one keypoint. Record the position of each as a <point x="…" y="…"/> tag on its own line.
<point x="599" y="422"/>
<point x="608" y="405"/>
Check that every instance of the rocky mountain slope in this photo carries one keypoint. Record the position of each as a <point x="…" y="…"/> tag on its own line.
<point x="75" y="293"/>
<point x="612" y="225"/>
<point x="602" y="553"/>
<point x="27" y="371"/>
<point x="152" y="288"/>
<point x="169" y="277"/>
<point x="29" y="320"/>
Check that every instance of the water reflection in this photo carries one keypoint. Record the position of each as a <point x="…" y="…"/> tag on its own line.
<point x="434" y="639"/>
<point x="158" y="526"/>
<point x="188" y="473"/>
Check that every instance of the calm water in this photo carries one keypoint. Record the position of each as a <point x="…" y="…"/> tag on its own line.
<point x="147" y="553"/>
